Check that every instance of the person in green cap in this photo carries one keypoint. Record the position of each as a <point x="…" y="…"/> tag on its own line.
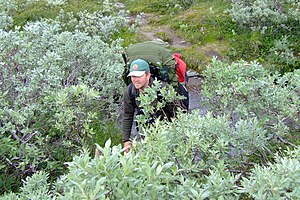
<point x="140" y="79"/>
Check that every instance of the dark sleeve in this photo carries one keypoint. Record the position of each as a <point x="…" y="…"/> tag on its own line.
<point x="127" y="115"/>
<point x="183" y="91"/>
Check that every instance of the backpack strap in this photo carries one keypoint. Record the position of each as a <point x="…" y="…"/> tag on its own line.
<point x="132" y="96"/>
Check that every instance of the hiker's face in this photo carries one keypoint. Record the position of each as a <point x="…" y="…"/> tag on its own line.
<point x="141" y="82"/>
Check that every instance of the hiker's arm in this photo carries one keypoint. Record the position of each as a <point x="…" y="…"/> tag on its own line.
<point x="127" y="116"/>
<point x="127" y="146"/>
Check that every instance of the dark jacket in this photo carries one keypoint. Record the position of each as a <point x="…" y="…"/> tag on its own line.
<point x="131" y="105"/>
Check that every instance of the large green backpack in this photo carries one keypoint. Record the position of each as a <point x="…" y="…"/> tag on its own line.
<point x="157" y="54"/>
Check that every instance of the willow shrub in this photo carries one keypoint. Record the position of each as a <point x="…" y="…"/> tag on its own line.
<point x="54" y="86"/>
<point x="277" y="22"/>
<point x="279" y="180"/>
<point x="246" y="91"/>
<point x="104" y="23"/>
<point x="59" y="86"/>
<point x="196" y="156"/>
<point x="188" y="159"/>
<point x="209" y="156"/>
<point x="5" y="19"/>
<point x="265" y="14"/>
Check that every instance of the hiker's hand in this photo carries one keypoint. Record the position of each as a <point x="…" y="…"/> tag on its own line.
<point x="127" y="146"/>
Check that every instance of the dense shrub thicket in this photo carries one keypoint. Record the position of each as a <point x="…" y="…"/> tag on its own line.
<point x="244" y="90"/>
<point x="278" y="22"/>
<point x="57" y="87"/>
<point x="193" y="157"/>
<point x="60" y="85"/>
<point x="265" y="14"/>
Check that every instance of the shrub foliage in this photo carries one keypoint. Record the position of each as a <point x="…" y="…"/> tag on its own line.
<point x="278" y="24"/>
<point x="60" y="87"/>
<point x="56" y="86"/>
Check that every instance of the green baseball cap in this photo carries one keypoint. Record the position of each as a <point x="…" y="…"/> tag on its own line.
<point x="138" y="68"/>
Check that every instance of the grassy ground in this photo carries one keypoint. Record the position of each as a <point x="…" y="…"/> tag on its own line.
<point x="40" y="9"/>
<point x="205" y="27"/>
<point x="200" y="30"/>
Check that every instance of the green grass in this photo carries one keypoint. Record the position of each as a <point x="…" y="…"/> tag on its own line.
<point x="40" y="9"/>
<point x="128" y="36"/>
<point x="204" y="25"/>
<point x="108" y="131"/>
<point x="208" y="27"/>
